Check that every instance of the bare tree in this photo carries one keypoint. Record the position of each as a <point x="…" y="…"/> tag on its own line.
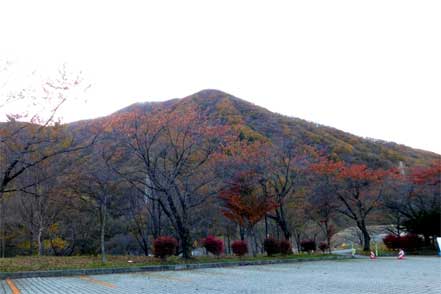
<point x="96" y="186"/>
<point x="174" y="152"/>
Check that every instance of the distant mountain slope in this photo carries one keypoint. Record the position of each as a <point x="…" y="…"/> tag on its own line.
<point x="255" y="122"/>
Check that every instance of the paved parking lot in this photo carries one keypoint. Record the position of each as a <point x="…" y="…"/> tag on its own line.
<point x="385" y="275"/>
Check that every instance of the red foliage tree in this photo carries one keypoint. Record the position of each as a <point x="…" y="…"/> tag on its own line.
<point x="276" y="167"/>
<point x="244" y="205"/>
<point x="358" y="188"/>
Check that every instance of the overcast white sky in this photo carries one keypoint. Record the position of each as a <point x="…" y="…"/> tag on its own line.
<point x="372" y="68"/>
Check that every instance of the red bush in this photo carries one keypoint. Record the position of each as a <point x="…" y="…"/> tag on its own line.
<point x="213" y="245"/>
<point x="239" y="247"/>
<point x="407" y="242"/>
<point x="164" y="246"/>
<point x="271" y="246"/>
<point x="411" y="242"/>
<point x="392" y="241"/>
<point x="308" y="245"/>
<point x="324" y="246"/>
<point x="285" y="247"/>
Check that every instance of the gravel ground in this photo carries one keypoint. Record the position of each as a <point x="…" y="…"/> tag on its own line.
<point x="384" y="275"/>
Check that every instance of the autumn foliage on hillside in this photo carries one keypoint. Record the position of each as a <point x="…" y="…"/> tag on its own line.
<point x="427" y="175"/>
<point x="208" y="164"/>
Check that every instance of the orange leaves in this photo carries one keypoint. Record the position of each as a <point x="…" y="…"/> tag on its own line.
<point x="360" y="172"/>
<point x="426" y="182"/>
<point x="244" y="204"/>
<point x="355" y="172"/>
<point x="427" y="175"/>
<point x="358" y="187"/>
<point x="239" y="156"/>
<point x="246" y="210"/>
<point x="328" y="167"/>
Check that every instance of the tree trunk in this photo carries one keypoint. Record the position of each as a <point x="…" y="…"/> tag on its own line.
<point x="186" y="245"/>
<point x="328" y="237"/>
<point x="146" y="242"/>
<point x="103" y="231"/>
<point x="283" y="223"/>
<point x="41" y="223"/>
<point x="328" y="234"/>
<point x="285" y="230"/>
<point x="366" y="237"/>
<point x="156" y="219"/>
<point x="241" y="233"/>
<point x="266" y="226"/>
<point x="225" y="244"/>
<point x="298" y="241"/>
<point x="31" y="240"/>
<point x="252" y="241"/>
<point x="40" y="241"/>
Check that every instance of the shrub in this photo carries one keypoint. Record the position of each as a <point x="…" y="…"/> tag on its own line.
<point x="324" y="246"/>
<point x="271" y="246"/>
<point x="164" y="246"/>
<point x="308" y="245"/>
<point x="213" y="245"/>
<point x="285" y="247"/>
<point x="392" y="241"/>
<point x="411" y="242"/>
<point x="240" y="247"/>
<point x="406" y="242"/>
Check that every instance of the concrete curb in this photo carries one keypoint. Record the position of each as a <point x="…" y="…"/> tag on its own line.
<point x="155" y="268"/>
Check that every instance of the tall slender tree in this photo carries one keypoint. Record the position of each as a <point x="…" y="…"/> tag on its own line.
<point x="173" y="154"/>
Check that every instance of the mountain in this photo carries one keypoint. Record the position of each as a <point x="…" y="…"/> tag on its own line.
<point x="255" y="122"/>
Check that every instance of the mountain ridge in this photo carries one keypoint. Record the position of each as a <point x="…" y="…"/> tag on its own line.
<point x="256" y="122"/>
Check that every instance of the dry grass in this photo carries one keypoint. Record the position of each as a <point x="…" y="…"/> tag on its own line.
<point x="36" y="263"/>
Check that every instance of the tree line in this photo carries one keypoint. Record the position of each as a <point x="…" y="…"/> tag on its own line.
<point x="116" y="184"/>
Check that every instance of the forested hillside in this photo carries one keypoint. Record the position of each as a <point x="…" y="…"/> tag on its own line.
<point x="206" y="164"/>
<point x="255" y="122"/>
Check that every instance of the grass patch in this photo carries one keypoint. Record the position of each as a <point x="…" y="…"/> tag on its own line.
<point x="43" y="263"/>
